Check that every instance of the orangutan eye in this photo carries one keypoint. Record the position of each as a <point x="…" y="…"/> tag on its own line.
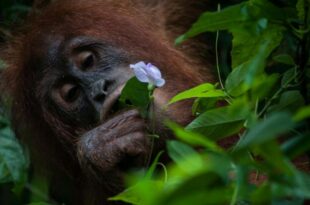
<point x="69" y="92"/>
<point x="85" y="60"/>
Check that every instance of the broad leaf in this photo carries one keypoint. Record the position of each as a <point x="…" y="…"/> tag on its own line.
<point x="253" y="43"/>
<point x="193" y="138"/>
<point x="206" y="90"/>
<point x="179" y="151"/>
<point x="213" y="21"/>
<point x="289" y="77"/>
<point x="289" y="101"/>
<point x="135" y="93"/>
<point x="268" y="129"/>
<point x="302" y="114"/>
<point x="284" y="59"/>
<point x="234" y="83"/>
<point x="140" y="193"/>
<point x="201" y="189"/>
<point x="13" y="163"/>
<point x="300" y="6"/>
<point x="218" y="123"/>
<point x="297" y="145"/>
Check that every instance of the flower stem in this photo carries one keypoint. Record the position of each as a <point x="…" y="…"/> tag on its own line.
<point x="152" y="121"/>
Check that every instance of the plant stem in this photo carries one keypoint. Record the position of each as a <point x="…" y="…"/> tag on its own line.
<point x="152" y="123"/>
<point x="217" y="53"/>
<point x="303" y="55"/>
<point x="276" y="95"/>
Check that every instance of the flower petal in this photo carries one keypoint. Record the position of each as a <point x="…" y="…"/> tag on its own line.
<point x="160" y="82"/>
<point x="141" y="74"/>
<point x="148" y="73"/>
<point x="139" y="70"/>
<point x="140" y="65"/>
<point x="153" y="71"/>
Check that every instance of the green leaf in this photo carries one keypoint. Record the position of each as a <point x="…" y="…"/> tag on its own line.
<point x="234" y="16"/>
<point x="265" y="9"/>
<point x="39" y="187"/>
<point x="289" y="77"/>
<point x="213" y="21"/>
<point x="140" y="193"/>
<point x="13" y="163"/>
<point x="261" y="195"/>
<point x="201" y="189"/>
<point x="193" y="138"/>
<point x="299" y="186"/>
<point x="39" y="203"/>
<point x="136" y="93"/>
<point x="201" y="105"/>
<point x="284" y="59"/>
<point x="234" y="84"/>
<point x="206" y="90"/>
<point x="3" y="65"/>
<point x="263" y="85"/>
<point x="300" y="6"/>
<point x="302" y="114"/>
<point x="220" y="122"/>
<point x="274" y="159"/>
<point x="251" y="48"/>
<point x="296" y="146"/>
<point x="289" y="101"/>
<point x="268" y="129"/>
<point x="249" y="55"/>
<point x="152" y="168"/>
<point x="179" y="151"/>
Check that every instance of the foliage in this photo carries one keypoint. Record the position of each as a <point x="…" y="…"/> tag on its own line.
<point x="265" y="100"/>
<point x="12" y="11"/>
<point x="13" y="162"/>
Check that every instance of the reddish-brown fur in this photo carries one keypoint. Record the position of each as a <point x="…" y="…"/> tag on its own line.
<point x="145" y="28"/>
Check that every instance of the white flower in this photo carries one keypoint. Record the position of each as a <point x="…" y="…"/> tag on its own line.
<point x="148" y="73"/>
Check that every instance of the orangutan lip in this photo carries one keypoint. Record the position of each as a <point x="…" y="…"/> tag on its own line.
<point x="110" y="101"/>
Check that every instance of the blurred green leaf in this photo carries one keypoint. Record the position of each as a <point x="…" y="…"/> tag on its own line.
<point x="250" y="56"/>
<point x="202" y="189"/>
<point x="274" y="160"/>
<point x="296" y="146"/>
<point x="152" y="168"/>
<point x="193" y="138"/>
<point x="145" y="192"/>
<point x="289" y="101"/>
<point x="263" y="86"/>
<point x="302" y="114"/>
<point x="234" y="82"/>
<point x="179" y="151"/>
<point x="13" y="163"/>
<point x="2" y="65"/>
<point x="39" y="203"/>
<point x="300" y="6"/>
<point x="284" y="59"/>
<point x="39" y="187"/>
<point x="253" y="44"/>
<point x="292" y="201"/>
<point x="268" y="129"/>
<point x="262" y="195"/>
<point x="299" y="186"/>
<point x="288" y="77"/>
<point x="266" y="9"/>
